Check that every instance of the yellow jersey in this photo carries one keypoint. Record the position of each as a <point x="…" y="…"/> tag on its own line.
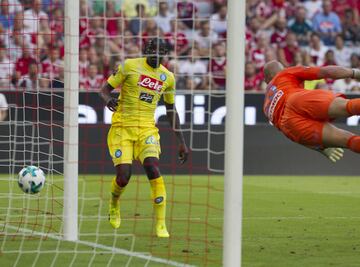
<point x="141" y="89"/>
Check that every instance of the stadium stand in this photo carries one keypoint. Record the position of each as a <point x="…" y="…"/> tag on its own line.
<point x="312" y="32"/>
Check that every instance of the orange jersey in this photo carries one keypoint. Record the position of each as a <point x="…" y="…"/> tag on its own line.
<point x="284" y="84"/>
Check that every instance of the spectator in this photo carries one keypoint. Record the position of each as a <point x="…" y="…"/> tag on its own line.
<point x="286" y="54"/>
<point x="6" y="18"/>
<point x="130" y="8"/>
<point x="93" y="80"/>
<point x="176" y="39"/>
<point x="253" y="81"/>
<point x="278" y="38"/>
<point x="327" y="24"/>
<point x="34" y="16"/>
<point x="218" y="22"/>
<point x="52" y="67"/>
<point x="187" y="12"/>
<point x="342" y="53"/>
<point x="3" y="107"/>
<point x="351" y="29"/>
<point x="164" y="17"/>
<point x="138" y="23"/>
<point x="345" y="85"/>
<point x="355" y="61"/>
<point x="113" y="19"/>
<point x="205" y="38"/>
<point x="83" y="64"/>
<point x="257" y="55"/>
<point x="252" y="32"/>
<point x="329" y="58"/>
<point x="301" y="26"/>
<point x="193" y="70"/>
<point x="218" y="67"/>
<point x="6" y="69"/>
<point x="22" y="64"/>
<point x="340" y="7"/>
<point x="150" y="31"/>
<point x="30" y="81"/>
<point x="316" y="50"/>
<point x="312" y="7"/>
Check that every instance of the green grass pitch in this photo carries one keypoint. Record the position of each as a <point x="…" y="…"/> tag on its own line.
<point x="288" y="221"/>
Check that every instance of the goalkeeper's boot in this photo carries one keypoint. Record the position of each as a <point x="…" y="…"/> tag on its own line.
<point x="161" y="230"/>
<point x="114" y="214"/>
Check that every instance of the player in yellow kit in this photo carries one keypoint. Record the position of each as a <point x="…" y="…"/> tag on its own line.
<point x="133" y="134"/>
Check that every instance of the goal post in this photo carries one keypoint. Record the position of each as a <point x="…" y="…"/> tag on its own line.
<point x="71" y="129"/>
<point x="234" y="134"/>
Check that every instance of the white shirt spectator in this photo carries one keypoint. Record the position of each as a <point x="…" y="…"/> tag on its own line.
<point x="14" y="6"/>
<point x="342" y="57"/>
<point x="318" y="56"/>
<point x="192" y="67"/>
<point x="32" y="20"/>
<point x="206" y="41"/>
<point x="216" y="24"/>
<point x="3" y="107"/>
<point x="344" y="85"/>
<point x="163" y="22"/>
<point x="6" y="71"/>
<point x="312" y="7"/>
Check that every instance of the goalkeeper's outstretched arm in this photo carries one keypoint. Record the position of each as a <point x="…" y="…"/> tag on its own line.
<point x="173" y="118"/>
<point x="338" y="72"/>
<point x="105" y="94"/>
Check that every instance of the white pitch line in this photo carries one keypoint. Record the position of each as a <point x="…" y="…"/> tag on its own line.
<point x="104" y="247"/>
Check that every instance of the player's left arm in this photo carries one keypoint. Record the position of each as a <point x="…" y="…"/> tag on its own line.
<point x="173" y="118"/>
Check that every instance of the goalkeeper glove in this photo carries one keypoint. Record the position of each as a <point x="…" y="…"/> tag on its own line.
<point x="112" y="104"/>
<point x="333" y="153"/>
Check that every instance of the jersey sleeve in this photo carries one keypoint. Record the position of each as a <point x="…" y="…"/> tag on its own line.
<point x="169" y="93"/>
<point x="117" y="78"/>
<point x="304" y="73"/>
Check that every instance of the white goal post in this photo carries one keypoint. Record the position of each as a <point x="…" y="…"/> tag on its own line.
<point x="234" y="133"/>
<point x="71" y="129"/>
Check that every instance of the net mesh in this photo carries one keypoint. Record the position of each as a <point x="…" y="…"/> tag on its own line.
<point x="31" y="226"/>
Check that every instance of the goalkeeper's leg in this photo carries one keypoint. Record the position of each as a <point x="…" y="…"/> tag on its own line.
<point x="158" y="194"/>
<point x="118" y="184"/>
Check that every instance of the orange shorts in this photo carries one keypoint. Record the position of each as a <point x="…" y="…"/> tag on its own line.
<point x="305" y="114"/>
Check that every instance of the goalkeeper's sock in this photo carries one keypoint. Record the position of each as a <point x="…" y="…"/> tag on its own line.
<point x="158" y="196"/>
<point x="116" y="192"/>
<point x="354" y="143"/>
<point x="353" y="106"/>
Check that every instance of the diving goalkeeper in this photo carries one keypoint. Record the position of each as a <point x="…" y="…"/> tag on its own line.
<point x="133" y="134"/>
<point x="305" y="116"/>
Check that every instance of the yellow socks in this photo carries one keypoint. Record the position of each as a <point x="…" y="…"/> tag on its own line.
<point x="116" y="192"/>
<point x="158" y="196"/>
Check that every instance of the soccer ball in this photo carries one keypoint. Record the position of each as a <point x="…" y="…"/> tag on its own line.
<point x="31" y="180"/>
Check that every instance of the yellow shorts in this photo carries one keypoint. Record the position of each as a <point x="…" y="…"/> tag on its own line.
<point x="133" y="143"/>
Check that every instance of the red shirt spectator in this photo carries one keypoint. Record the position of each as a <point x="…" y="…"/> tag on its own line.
<point x="94" y="80"/>
<point x="186" y="11"/>
<point x="22" y="64"/>
<point x="279" y="36"/>
<point x="340" y="6"/>
<point x="287" y="54"/>
<point x="218" y="66"/>
<point x="253" y="80"/>
<point x="52" y="67"/>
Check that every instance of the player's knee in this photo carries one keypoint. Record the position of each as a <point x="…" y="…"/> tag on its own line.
<point x="123" y="176"/>
<point x="151" y="167"/>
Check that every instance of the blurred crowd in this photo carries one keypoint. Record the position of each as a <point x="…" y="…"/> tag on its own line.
<point x="311" y="32"/>
<point x="308" y="32"/>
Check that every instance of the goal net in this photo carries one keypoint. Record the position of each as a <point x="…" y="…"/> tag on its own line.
<point x="32" y="133"/>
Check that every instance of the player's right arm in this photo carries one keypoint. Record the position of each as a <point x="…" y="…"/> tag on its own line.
<point x="114" y="81"/>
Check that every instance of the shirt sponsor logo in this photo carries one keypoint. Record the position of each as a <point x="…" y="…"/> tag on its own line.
<point x="148" y="98"/>
<point x="150" y="83"/>
<point x="273" y="104"/>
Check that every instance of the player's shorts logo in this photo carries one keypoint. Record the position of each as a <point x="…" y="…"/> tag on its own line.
<point x="158" y="200"/>
<point x="118" y="153"/>
<point x="151" y="140"/>
<point x="163" y="77"/>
